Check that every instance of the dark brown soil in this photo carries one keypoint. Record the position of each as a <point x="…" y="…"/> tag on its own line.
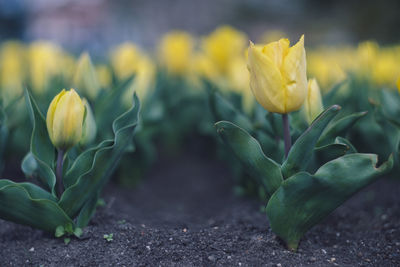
<point x="184" y="214"/>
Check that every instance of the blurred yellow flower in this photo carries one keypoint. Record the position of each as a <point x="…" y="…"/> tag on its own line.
<point x="12" y="69"/>
<point x="44" y="64"/>
<point x="85" y="78"/>
<point x="64" y="119"/>
<point x="104" y="75"/>
<point x="222" y="45"/>
<point x="175" y="52"/>
<point x="124" y="60"/>
<point x="143" y="81"/>
<point x="239" y="82"/>
<point x="398" y="84"/>
<point x="313" y="105"/>
<point x="278" y="77"/>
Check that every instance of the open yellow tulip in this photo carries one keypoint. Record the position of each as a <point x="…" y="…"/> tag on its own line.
<point x="65" y="119"/>
<point x="278" y="77"/>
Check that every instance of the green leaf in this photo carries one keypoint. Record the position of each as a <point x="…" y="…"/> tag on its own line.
<point x="351" y="148"/>
<point x="224" y="110"/>
<point x="339" y="128"/>
<point x="3" y="135"/>
<point x="41" y="147"/>
<point x="87" y="211"/>
<point x="329" y="152"/>
<point x="109" y="106"/>
<point x="303" y="200"/>
<point x="59" y="231"/>
<point x="247" y="149"/>
<point x="28" y="204"/>
<point x="104" y="163"/>
<point x="302" y="150"/>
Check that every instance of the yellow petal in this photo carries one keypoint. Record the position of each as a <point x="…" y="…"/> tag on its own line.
<point x="265" y="81"/>
<point x="51" y="111"/>
<point x="276" y="51"/>
<point x="68" y="120"/>
<point x="295" y="77"/>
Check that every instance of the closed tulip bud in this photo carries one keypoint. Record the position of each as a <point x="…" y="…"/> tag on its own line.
<point x="278" y="75"/>
<point x="313" y="105"/>
<point x="85" y="77"/>
<point x="89" y="129"/>
<point x="65" y="119"/>
<point x="398" y="84"/>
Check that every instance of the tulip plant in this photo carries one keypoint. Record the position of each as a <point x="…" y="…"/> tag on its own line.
<point x="68" y="183"/>
<point x="299" y="194"/>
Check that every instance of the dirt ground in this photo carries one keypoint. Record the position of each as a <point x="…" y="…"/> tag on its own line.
<point x="185" y="214"/>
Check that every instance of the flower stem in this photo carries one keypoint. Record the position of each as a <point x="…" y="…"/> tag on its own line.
<point x="286" y="134"/>
<point x="59" y="172"/>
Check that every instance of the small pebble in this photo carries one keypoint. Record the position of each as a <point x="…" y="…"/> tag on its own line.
<point x="312" y="259"/>
<point x="333" y="259"/>
<point x="148" y="247"/>
<point x="279" y="265"/>
<point x="211" y="258"/>
<point x="184" y="230"/>
<point x="32" y="249"/>
<point x="323" y="251"/>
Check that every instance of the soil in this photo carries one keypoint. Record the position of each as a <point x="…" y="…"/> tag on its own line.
<point x="185" y="214"/>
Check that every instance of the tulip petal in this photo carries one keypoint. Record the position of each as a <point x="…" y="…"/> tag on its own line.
<point x="294" y="76"/>
<point x="265" y="81"/>
<point x="51" y="111"/>
<point x="68" y="118"/>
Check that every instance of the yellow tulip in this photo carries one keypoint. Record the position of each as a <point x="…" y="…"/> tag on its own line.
<point x="104" y="75"/>
<point x="278" y="77"/>
<point x="65" y="119"/>
<point x="12" y="71"/>
<point x="85" y="77"/>
<point x="222" y="45"/>
<point x="124" y="60"/>
<point x="44" y="63"/>
<point x="398" y="84"/>
<point x="143" y="81"/>
<point x="175" y="51"/>
<point x="313" y="105"/>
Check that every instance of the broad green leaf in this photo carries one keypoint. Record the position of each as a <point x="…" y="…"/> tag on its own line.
<point x="339" y="128"/>
<point x="82" y="164"/>
<point x="28" y="204"/>
<point x="3" y="135"/>
<point x="302" y="150"/>
<point x="351" y="148"/>
<point x="247" y="149"/>
<point x="41" y="147"/>
<point x="329" y="152"/>
<point x="303" y="200"/>
<point x="109" y="106"/>
<point x="104" y="163"/>
<point x="224" y="110"/>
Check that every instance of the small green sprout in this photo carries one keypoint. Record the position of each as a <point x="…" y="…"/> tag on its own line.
<point x="108" y="237"/>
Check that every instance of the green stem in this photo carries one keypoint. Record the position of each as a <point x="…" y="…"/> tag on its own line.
<point x="286" y="134"/>
<point x="59" y="172"/>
